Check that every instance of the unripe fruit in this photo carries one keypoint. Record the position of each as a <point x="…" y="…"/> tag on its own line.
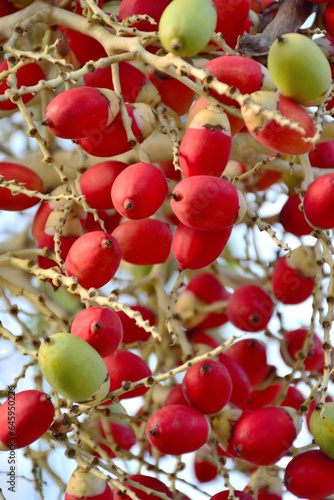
<point x="207" y="386"/>
<point x="322" y="429"/>
<point x="80" y="112"/>
<point x="250" y="308"/>
<point x="177" y="429"/>
<point x="294" y="341"/>
<point x="268" y="132"/>
<point x="319" y="202"/>
<point x="301" y="471"/>
<point x="299" y="69"/>
<point x="312" y="406"/>
<point x="139" y="191"/>
<point x="24" y="175"/>
<point x="27" y="76"/>
<point x="74" y="369"/>
<point x="144" y="242"/>
<point x="205" y="202"/>
<point x="93" y="259"/>
<point x="100" y="327"/>
<point x="186" y="26"/>
<point x="266" y="435"/>
<point x="85" y="485"/>
<point x="152" y="483"/>
<point x="24" y="418"/>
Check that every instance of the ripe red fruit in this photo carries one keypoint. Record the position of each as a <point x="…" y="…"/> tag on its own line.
<point x="47" y="240"/>
<point x="30" y="180"/>
<point x="84" y="47"/>
<point x="139" y="191"/>
<point x="131" y="331"/>
<point x="100" y="327"/>
<point x="231" y="16"/>
<point x="262" y="397"/>
<point x="223" y="495"/>
<point x="93" y="259"/>
<point x="97" y="182"/>
<point x="294" y="398"/>
<point x="152" y="483"/>
<point x="24" y="418"/>
<point x="177" y="429"/>
<point x="207" y="386"/>
<point x="204" y="470"/>
<point x="319" y="202"/>
<point x="294" y="341"/>
<point x="290" y="286"/>
<point x="266" y="435"/>
<point x="176" y="397"/>
<point x="7" y="8"/>
<point x="27" y="76"/>
<point x="301" y="471"/>
<point x="250" y="308"/>
<point x="144" y="242"/>
<point x="205" y="202"/>
<point x="224" y="425"/>
<point x="154" y="9"/>
<point x="328" y="18"/>
<point x="195" y="249"/>
<point x="293" y="219"/>
<point x="110" y="218"/>
<point x="241" y="386"/>
<point x="123" y="367"/>
<point x="81" y="112"/>
<point x="323" y="155"/>
<point x="252" y="357"/>
<point x="115" y="433"/>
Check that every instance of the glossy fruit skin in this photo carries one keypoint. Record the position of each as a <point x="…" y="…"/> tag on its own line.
<point x="207" y="386"/>
<point x="110" y="218"/>
<point x="301" y="471"/>
<point x="28" y="177"/>
<point x="84" y="47"/>
<point x="266" y="435"/>
<point x="294" y="398"/>
<point x="231" y="16"/>
<point x="241" y="386"/>
<point x="93" y="259"/>
<point x="250" y="308"/>
<point x="205" y="202"/>
<point x="85" y="485"/>
<point x="177" y="429"/>
<point x="176" y="397"/>
<point x="328" y="17"/>
<point x="204" y="470"/>
<point x="46" y="240"/>
<point x="319" y="202"/>
<point x="323" y="155"/>
<point x="131" y="331"/>
<point x="252" y="357"/>
<point x="259" y="398"/>
<point x="294" y="341"/>
<point x="96" y="183"/>
<point x="139" y="191"/>
<point x="100" y="327"/>
<point x="293" y="219"/>
<point x="115" y="432"/>
<point x="186" y="26"/>
<point x="126" y="366"/>
<point x="299" y="69"/>
<point x="27" y="76"/>
<point x="289" y="285"/>
<point x="144" y="242"/>
<point x="277" y="137"/>
<point x="152" y="483"/>
<point x="24" y="418"/>
<point x="73" y="368"/>
<point x="195" y="249"/>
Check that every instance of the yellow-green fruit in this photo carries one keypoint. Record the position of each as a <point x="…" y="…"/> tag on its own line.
<point x="186" y="26"/>
<point x="299" y="69"/>
<point x="322" y="429"/>
<point x="74" y="369"/>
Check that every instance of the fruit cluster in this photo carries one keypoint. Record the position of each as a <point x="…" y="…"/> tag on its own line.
<point x="158" y="136"/>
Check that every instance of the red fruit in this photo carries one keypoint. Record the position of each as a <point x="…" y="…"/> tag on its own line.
<point x="204" y="470"/>
<point x="46" y="240"/>
<point x="293" y="342"/>
<point x="7" y="8"/>
<point x="241" y="386"/>
<point x="289" y="285"/>
<point x="84" y="47"/>
<point x="81" y="112"/>
<point x="24" y="418"/>
<point x="195" y="249"/>
<point x="111" y="220"/>
<point x="93" y="259"/>
<point x="205" y="202"/>
<point x="144" y="242"/>
<point x="96" y="183"/>
<point x="100" y="327"/>
<point x="319" y="202"/>
<point x="78" y="9"/>
<point x="303" y="469"/>
<point x="123" y="367"/>
<point x="24" y="175"/>
<point x="85" y="485"/>
<point x="176" y="397"/>
<point x="262" y="397"/>
<point x="206" y="145"/>
<point x="250" y="308"/>
<point x="154" y="9"/>
<point x="223" y="495"/>
<point x="113" y="140"/>
<point x="131" y="331"/>
<point x="169" y="170"/>
<point x="207" y="386"/>
<point x="328" y="18"/>
<point x="293" y="219"/>
<point x="199" y="337"/>
<point x="252" y="357"/>
<point x="294" y="398"/>
<point x="323" y="155"/>
<point x="27" y="76"/>
<point x="312" y="406"/>
<point x="40" y="219"/>
<point x="152" y="483"/>
<point x="177" y="429"/>
<point x="266" y="435"/>
<point x="139" y="191"/>
<point x="115" y="433"/>
<point x="231" y="16"/>
<point x="224" y="425"/>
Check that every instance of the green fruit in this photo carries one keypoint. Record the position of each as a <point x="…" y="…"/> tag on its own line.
<point x="74" y="369"/>
<point x="186" y="26"/>
<point x="299" y="69"/>
<point x="323" y="429"/>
